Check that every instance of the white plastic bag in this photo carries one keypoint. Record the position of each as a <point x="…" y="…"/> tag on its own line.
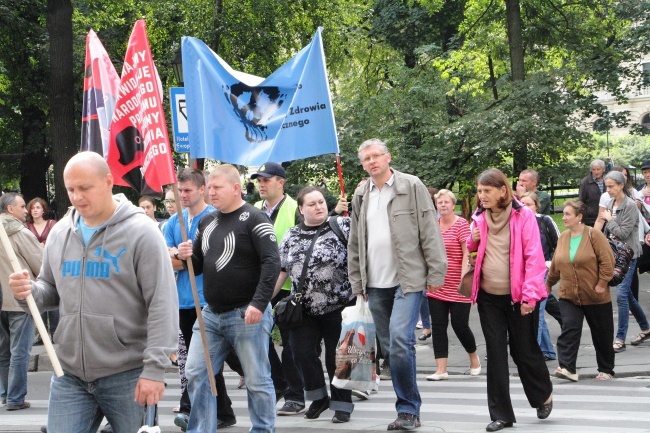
<point x="355" y="353"/>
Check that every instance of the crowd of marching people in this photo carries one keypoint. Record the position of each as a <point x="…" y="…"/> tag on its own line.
<point x="118" y="290"/>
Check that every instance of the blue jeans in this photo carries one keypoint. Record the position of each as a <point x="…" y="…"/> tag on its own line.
<point x="626" y="303"/>
<point x="16" y="339"/>
<point x="424" y="312"/>
<point x="79" y="406"/>
<point x="226" y="331"/>
<point x="395" y="314"/>
<point x="543" y="336"/>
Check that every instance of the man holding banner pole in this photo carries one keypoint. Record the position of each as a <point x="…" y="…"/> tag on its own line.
<point x="107" y="269"/>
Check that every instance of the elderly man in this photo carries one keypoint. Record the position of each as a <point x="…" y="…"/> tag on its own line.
<point x="528" y="183"/>
<point x="16" y="326"/>
<point x="395" y="252"/>
<point x="591" y="188"/>
<point x="106" y="268"/>
<point x="236" y="250"/>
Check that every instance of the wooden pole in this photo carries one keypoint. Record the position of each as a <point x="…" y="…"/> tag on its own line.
<point x="339" y="170"/>
<point x="33" y="309"/>
<point x="195" y="293"/>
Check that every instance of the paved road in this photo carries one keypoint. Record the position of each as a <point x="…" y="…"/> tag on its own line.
<point x="457" y="405"/>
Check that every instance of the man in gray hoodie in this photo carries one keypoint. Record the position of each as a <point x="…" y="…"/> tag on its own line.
<point x="16" y="326"/>
<point x="106" y="268"/>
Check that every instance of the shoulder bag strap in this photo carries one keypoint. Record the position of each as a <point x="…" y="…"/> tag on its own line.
<point x="305" y="265"/>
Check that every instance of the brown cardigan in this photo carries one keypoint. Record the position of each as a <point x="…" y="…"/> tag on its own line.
<point x="592" y="265"/>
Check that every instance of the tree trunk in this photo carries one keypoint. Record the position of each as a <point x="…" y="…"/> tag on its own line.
<point x="34" y="162"/>
<point x="515" y="42"/>
<point x="218" y="12"/>
<point x="64" y="137"/>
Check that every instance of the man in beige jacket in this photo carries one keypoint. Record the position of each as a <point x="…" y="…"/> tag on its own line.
<point x="16" y="326"/>
<point x="395" y="252"/>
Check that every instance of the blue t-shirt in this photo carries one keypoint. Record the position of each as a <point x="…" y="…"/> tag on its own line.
<point x="172" y="231"/>
<point x="87" y="232"/>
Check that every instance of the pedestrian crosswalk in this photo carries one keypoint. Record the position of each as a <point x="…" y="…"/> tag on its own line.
<point x="456" y="405"/>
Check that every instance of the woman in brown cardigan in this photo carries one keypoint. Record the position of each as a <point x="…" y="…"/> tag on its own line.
<point x="583" y="264"/>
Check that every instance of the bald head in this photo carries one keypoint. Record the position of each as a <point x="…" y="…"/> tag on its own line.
<point x="91" y="161"/>
<point x="89" y="183"/>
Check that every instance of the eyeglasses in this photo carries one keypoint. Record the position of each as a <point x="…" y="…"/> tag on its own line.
<point x="374" y="157"/>
<point x="169" y="201"/>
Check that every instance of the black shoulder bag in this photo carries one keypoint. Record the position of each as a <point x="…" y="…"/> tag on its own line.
<point x="288" y="311"/>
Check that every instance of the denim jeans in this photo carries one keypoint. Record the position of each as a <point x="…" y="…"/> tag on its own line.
<point x="626" y="303"/>
<point x="79" y="406"/>
<point x="395" y="314"/>
<point x="226" y="331"/>
<point x="16" y="339"/>
<point x="425" y="316"/>
<point x="543" y="336"/>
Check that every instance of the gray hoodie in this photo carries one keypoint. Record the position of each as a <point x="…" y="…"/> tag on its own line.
<point x="116" y="296"/>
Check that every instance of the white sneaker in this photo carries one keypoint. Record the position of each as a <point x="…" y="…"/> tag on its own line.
<point x="436" y="377"/>
<point x="563" y="373"/>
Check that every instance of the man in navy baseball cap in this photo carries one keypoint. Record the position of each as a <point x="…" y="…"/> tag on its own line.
<point x="269" y="170"/>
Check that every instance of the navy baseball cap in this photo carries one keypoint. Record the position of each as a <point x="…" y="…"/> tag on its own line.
<point x="646" y="164"/>
<point x="270" y="169"/>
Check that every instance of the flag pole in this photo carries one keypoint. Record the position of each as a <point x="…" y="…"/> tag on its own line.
<point x="339" y="170"/>
<point x="33" y="309"/>
<point x="195" y="293"/>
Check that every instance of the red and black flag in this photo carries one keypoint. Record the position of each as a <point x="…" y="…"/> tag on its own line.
<point x="101" y="84"/>
<point x="139" y="154"/>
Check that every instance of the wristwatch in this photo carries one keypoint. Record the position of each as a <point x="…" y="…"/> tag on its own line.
<point x="176" y="255"/>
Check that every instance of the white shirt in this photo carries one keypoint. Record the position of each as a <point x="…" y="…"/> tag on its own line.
<point x="382" y="263"/>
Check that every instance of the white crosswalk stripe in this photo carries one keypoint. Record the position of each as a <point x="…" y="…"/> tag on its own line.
<point x="456" y="405"/>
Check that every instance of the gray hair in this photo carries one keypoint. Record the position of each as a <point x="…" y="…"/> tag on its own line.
<point x="616" y="176"/>
<point x="373" y="142"/>
<point x="597" y="163"/>
<point x="533" y="174"/>
<point x="8" y="199"/>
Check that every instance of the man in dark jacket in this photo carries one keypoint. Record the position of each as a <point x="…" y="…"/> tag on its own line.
<point x="591" y="188"/>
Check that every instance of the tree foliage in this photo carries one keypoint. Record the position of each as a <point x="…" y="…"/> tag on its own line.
<point x="431" y="77"/>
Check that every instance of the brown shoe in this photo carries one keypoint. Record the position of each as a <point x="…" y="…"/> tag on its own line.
<point x="24" y="405"/>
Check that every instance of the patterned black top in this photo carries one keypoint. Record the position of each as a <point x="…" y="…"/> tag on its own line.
<point x="327" y="287"/>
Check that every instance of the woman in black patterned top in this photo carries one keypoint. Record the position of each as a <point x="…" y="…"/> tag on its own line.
<point x="326" y="291"/>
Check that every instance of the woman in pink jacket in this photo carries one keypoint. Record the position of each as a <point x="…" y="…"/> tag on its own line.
<point x="505" y="236"/>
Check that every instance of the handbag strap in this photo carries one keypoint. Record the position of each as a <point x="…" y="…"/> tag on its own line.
<point x="305" y="265"/>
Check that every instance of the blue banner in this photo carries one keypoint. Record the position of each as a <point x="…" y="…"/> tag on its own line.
<point x="243" y="119"/>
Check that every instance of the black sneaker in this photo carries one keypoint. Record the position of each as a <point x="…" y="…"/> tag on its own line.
<point x="291" y="408"/>
<point x="405" y="421"/>
<point x="223" y="424"/>
<point x="317" y="407"/>
<point x="340" y="417"/>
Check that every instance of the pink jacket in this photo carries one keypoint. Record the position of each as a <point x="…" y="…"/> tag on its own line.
<point x="527" y="266"/>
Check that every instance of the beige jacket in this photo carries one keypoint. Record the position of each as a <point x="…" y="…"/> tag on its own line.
<point x="29" y="253"/>
<point x="417" y="241"/>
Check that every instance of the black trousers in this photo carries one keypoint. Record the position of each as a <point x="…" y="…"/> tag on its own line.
<point x="306" y="343"/>
<point x="441" y="311"/>
<point x="186" y="319"/>
<point x="553" y="308"/>
<point x="503" y="324"/>
<point x="284" y="372"/>
<point x="600" y="319"/>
